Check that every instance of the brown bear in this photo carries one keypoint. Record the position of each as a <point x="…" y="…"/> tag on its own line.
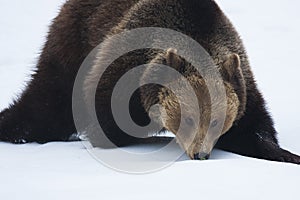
<point x="43" y="112"/>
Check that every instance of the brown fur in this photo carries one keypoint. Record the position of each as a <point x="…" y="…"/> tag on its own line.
<point x="43" y="112"/>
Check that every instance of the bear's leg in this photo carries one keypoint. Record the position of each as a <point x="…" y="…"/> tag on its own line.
<point x="254" y="134"/>
<point x="42" y="114"/>
<point x="272" y="151"/>
<point x="255" y="146"/>
<point x="107" y="121"/>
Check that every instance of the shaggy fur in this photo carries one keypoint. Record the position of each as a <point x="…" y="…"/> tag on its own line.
<point x="43" y="112"/>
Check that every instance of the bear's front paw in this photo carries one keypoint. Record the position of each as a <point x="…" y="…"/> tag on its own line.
<point x="289" y="157"/>
<point x="282" y="155"/>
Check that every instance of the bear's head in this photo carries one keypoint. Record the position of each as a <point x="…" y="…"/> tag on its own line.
<point x="196" y="127"/>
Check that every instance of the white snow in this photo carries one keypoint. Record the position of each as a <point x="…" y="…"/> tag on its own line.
<point x="270" y="30"/>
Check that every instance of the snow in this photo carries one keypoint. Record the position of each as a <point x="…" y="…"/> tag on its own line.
<point x="270" y="30"/>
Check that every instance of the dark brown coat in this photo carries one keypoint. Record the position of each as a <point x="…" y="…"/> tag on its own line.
<point x="43" y="112"/>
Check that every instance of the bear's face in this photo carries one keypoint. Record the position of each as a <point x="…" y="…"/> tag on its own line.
<point x="196" y="127"/>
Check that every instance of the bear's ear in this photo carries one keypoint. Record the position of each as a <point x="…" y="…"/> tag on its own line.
<point x="232" y="67"/>
<point x="232" y="73"/>
<point x="173" y="59"/>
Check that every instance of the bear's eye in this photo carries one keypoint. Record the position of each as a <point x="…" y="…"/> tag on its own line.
<point x="189" y="121"/>
<point x="214" y="123"/>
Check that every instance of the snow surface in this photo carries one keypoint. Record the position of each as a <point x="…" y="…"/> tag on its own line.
<point x="270" y="30"/>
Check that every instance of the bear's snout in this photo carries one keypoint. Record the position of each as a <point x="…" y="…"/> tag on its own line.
<point x="201" y="156"/>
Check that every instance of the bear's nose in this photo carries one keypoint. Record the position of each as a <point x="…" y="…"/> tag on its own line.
<point x="201" y="156"/>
